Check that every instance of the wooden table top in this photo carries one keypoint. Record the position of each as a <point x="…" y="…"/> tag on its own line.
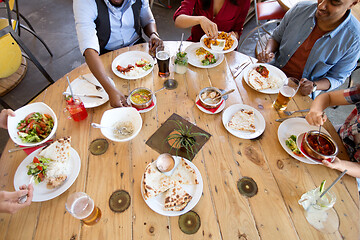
<point x="274" y="213"/>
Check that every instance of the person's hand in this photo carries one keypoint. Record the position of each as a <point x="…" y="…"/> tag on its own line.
<point x="235" y="34"/>
<point x="306" y="87"/>
<point x="316" y="118"/>
<point x="265" y="56"/>
<point x="117" y="99"/>
<point x="4" y="116"/>
<point x="154" y="42"/>
<point x="210" y="28"/>
<point x="9" y="200"/>
<point x="336" y="164"/>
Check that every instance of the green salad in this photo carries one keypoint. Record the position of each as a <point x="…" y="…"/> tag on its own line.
<point x="37" y="168"/>
<point x="35" y="127"/>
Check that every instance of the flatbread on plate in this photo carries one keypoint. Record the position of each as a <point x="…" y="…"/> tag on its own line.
<point x="176" y="199"/>
<point x="184" y="174"/>
<point x="259" y="82"/>
<point x="58" y="151"/>
<point x="155" y="182"/>
<point x="243" y="120"/>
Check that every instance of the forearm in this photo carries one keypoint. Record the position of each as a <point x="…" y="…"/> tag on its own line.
<point x="353" y="168"/>
<point x="149" y="29"/>
<point x="272" y="46"/>
<point x="185" y="21"/>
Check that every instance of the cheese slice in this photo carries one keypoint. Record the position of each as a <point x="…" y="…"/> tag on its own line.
<point x="243" y="120"/>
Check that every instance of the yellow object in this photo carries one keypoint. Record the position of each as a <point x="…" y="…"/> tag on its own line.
<point x="10" y="57"/>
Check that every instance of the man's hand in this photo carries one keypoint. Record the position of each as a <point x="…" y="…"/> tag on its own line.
<point x="117" y="99"/>
<point x="4" y="116"/>
<point x="265" y="56"/>
<point x="154" y="42"/>
<point x="306" y="87"/>
<point x="9" y="200"/>
<point x="210" y="28"/>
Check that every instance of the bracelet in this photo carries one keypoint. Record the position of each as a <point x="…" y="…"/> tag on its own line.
<point x="156" y="34"/>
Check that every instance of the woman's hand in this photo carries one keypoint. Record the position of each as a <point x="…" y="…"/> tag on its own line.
<point x="210" y="28"/>
<point x="9" y="201"/>
<point x="315" y="117"/>
<point x="4" y="116"/>
<point x="336" y="164"/>
<point x="235" y="34"/>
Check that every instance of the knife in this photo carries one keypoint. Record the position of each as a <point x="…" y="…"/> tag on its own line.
<point x="241" y="68"/>
<point x="283" y="119"/>
<point x="84" y="95"/>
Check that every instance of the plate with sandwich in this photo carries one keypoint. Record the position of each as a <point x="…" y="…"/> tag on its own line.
<point x="243" y="121"/>
<point x="264" y="78"/>
<point x="173" y="193"/>
<point x="54" y="169"/>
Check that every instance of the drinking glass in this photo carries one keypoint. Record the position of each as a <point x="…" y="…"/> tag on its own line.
<point x="76" y="108"/>
<point x="81" y="206"/>
<point x="319" y="212"/>
<point x="286" y="93"/>
<point x="163" y="59"/>
<point x="181" y="62"/>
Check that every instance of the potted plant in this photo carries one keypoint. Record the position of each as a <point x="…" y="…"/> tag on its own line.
<point x="183" y="137"/>
<point x="181" y="62"/>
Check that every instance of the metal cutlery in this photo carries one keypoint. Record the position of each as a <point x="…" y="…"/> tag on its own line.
<point x="22" y="148"/>
<point x="84" y="95"/>
<point x="23" y="199"/>
<point x="283" y="119"/>
<point x="240" y="68"/>
<point x="289" y="113"/>
<point x="99" y="88"/>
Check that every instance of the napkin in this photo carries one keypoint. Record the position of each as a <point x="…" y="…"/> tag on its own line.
<point x="140" y="109"/>
<point x="213" y="110"/>
<point x="30" y="150"/>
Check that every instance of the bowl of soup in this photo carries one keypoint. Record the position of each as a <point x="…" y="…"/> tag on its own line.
<point x="320" y="148"/>
<point x="141" y="98"/>
<point x="207" y="97"/>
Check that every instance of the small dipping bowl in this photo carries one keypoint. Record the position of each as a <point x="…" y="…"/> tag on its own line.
<point x="141" y="98"/>
<point x="218" y="44"/>
<point x="207" y="104"/>
<point x="307" y="146"/>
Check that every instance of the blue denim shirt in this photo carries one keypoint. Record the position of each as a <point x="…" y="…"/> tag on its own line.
<point x="333" y="56"/>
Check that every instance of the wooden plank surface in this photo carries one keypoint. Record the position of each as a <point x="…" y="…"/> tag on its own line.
<point x="274" y="213"/>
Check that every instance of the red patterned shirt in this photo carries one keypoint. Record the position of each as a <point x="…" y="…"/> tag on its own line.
<point x="351" y="127"/>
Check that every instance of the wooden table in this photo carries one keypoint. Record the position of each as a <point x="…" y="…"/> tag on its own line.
<point x="274" y="213"/>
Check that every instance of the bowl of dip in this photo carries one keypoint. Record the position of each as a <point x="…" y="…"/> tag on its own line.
<point x="207" y="95"/>
<point x="122" y="124"/>
<point x="141" y="98"/>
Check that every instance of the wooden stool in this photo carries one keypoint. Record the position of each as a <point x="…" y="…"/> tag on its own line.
<point x="9" y="83"/>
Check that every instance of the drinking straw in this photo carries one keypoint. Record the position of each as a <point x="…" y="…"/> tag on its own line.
<point x="336" y="180"/>
<point x="72" y="94"/>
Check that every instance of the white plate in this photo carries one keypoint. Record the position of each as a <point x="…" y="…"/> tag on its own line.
<point x="195" y="61"/>
<point x="157" y="203"/>
<point x="146" y="109"/>
<point x="273" y="71"/>
<point x="82" y="86"/>
<point x="41" y="192"/>
<point x="21" y="113"/>
<point x="233" y="47"/>
<point x="259" y="121"/>
<point x="295" y="126"/>
<point x="131" y="57"/>
<point x="222" y="106"/>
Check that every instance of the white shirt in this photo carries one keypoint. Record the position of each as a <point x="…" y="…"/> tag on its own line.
<point x="121" y="23"/>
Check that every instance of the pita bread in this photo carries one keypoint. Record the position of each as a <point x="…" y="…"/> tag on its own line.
<point x="243" y="120"/>
<point x="184" y="174"/>
<point x="58" y="151"/>
<point x="259" y="82"/>
<point x="155" y="182"/>
<point x="176" y="199"/>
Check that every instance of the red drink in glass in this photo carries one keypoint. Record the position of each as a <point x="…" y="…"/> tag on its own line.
<point x="76" y="108"/>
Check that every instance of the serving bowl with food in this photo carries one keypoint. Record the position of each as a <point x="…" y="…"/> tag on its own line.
<point x="121" y="124"/>
<point x="33" y="124"/>
<point x="141" y="98"/>
<point x="210" y="97"/>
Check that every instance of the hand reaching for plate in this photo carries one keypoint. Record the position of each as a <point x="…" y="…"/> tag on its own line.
<point x="210" y="28"/>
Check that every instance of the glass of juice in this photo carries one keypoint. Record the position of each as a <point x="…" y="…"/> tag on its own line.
<point x="81" y="206"/>
<point x="286" y="93"/>
<point x="76" y="108"/>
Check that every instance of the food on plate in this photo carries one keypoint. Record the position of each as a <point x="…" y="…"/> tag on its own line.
<point x="141" y="96"/>
<point x="35" y="127"/>
<point x="141" y="66"/>
<point x="291" y="143"/>
<point x="52" y="163"/>
<point x="260" y="79"/>
<point x="165" y="162"/>
<point x="176" y="199"/>
<point x="123" y="129"/>
<point x="243" y="120"/>
<point x="184" y="174"/>
<point x="320" y="144"/>
<point x="223" y="35"/>
<point x="205" y="56"/>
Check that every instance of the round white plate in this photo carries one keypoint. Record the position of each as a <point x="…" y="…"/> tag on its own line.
<point x="196" y="62"/>
<point x="41" y="192"/>
<point x="82" y="86"/>
<point x="273" y="71"/>
<point x="222" y="106"/>
<point x="131" y="57"/>
<point x="259" y="121"/>
<point x="146" y="109"/>
<point x="295" y="126"/>
<point x="233" y="47"/>
<point x="157" y="203"/>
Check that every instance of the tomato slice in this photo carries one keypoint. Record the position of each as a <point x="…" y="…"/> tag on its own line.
<point x="36" y="160"/>
<point x="39" y="167"/>
<point x="41" y="176"/>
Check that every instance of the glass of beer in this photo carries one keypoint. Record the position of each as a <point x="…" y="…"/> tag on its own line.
<point x="81" y="206"/>
<point x="163" y="59"/>
<point x="286" y="93"/>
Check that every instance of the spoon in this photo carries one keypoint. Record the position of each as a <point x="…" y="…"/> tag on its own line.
<point x="122" y="130"/>
<point x="212" y="100"/>
<point x="317" y="138"/>
<point x="23" y="199"/>
<point x="169" y="84"/>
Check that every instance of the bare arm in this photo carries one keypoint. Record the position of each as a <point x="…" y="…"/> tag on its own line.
<point x="186" y="21"/>
<point x="151" y="31"/>
<point x="272" y="46"/>
<point x="96" y="66"/>
<point x="353" y="168"/>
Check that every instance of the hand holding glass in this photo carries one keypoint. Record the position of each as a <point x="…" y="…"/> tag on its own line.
<point x="81" y="206"/>
<point x="286" y="93"/>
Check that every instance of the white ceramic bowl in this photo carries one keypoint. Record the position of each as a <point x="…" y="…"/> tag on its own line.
<point x="110" y="117"/>
<point x="21" y="113"/>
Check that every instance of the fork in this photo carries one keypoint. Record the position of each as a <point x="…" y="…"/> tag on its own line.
<point x="240" y="68"/>
<point x="289" y="113"/>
